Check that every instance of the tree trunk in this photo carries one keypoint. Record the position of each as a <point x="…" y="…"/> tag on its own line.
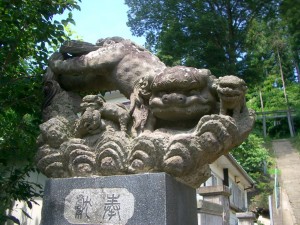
<point x="231" y="37"/>
<point x="289" y="117"/>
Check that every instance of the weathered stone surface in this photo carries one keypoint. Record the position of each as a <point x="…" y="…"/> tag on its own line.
<point x="150" y="199"/>
<point x="99" y="205"/>
<point x="180" y="118"/>
<point x="231" y="91"/>
<point x="77" y="48"/>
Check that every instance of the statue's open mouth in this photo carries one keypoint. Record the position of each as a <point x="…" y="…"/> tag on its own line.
<point x="181" y="113"/>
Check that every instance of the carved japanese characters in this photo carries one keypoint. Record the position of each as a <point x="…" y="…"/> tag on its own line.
<point x="179" y="119"/>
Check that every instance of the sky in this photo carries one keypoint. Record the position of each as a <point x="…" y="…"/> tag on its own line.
<point x="101" y="19"/>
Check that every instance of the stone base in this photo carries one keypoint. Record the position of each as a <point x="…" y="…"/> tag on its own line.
<point x="141" y="199"/>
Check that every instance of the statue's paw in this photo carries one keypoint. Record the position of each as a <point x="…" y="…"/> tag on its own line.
<point x="223" y="129"/>
<point x="214" y="117"/>
<point x="216" y="128"/>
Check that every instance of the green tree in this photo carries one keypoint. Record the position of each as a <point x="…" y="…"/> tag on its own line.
<point x="272" y="95"/>
<point x="252" y="156"/>
<point x="257" y="162"/>
<point x="270" y="54"/>
<point x="271" y="48"/>
<point x="290" y="9"/>
<point x="199" y="33"/>
<point x="27" y="33"/>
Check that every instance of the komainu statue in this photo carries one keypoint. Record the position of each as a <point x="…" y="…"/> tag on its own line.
<point x="179" y="120"/>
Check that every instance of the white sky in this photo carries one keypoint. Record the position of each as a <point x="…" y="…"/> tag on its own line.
<point x="101" y="19"/>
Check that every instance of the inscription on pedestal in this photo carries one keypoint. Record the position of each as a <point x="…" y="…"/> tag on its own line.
<point x="107" y="206"/>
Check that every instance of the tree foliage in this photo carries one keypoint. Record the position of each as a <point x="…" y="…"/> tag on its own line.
<point x="27" y="33"/>
<point x="271" y="52"/>
<point x="258" y="163"/>
<point x="290" y="9"/>
<point x="270" y="91"/>
<point x="268" y="50"/>
<point x="227" y="37"/>
<point x="252" y="156"/>
<point x="198" y="33"/>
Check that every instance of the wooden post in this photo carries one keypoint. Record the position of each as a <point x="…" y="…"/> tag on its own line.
<point x="286" y="98"/>
<point x="219" y="195"/>
<point x="290" y="122"/>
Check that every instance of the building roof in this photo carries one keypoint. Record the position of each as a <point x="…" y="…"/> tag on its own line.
<point x="228" y="161"/>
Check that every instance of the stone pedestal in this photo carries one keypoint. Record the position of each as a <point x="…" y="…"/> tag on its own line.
<point x="142" y="199"/>
<point x="218" y="195"/>
<point x="246" y="218"/>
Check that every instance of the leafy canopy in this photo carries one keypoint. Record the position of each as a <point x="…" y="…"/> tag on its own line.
<point x="27" y="34"/>
<point x="199" y="33"/>
<point x="251" y="155"/>
<point x="257" y="162"/>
